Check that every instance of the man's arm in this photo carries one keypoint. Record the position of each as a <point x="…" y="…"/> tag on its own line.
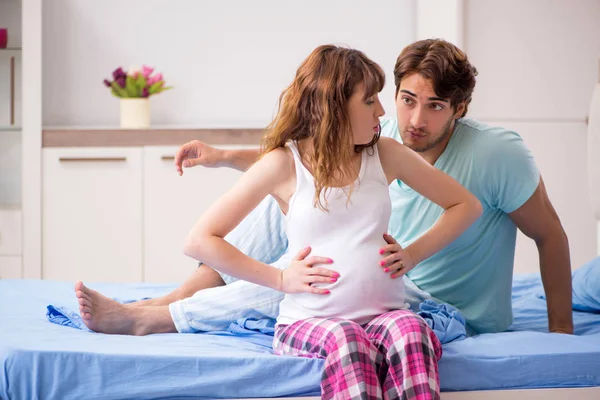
<point x="196" y="153"/>
<point x="537" y="219"/>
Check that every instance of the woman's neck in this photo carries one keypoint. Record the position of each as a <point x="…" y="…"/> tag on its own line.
<point x="307" y="152"/>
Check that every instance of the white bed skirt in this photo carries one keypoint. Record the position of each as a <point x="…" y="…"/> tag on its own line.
<point x="589" y="393"/>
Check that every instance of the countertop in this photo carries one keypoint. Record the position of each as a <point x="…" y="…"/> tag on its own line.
<point x="116" y="137"/>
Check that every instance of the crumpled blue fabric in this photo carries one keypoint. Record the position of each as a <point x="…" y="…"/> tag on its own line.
<point x="446" y="321"/>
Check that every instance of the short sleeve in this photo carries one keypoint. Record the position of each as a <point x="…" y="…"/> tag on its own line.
<point x="508" y="174"/>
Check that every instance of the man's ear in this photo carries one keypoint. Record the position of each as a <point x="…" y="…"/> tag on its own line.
<point x="460" y="109"/>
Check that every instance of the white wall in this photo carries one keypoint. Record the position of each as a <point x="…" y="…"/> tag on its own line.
<point x="228" y="60"/>
<point x="538" y="59"/>
<point x="538" y="63"/>
<point x="441" y="19"/>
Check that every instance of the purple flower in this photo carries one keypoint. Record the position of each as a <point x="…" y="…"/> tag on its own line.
<point x="107" y="83"/>
<point x="121" y="81"/>
<point x="118" y="73"/>
<point x="145" y="92"/>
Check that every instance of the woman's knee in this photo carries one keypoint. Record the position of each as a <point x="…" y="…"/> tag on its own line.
<point x="344" y="332"/>
<point x="404" y="322"/>
<point x="351" y="343"/>
<point x="406" y="330"/>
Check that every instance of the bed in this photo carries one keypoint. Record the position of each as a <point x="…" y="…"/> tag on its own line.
<point x="42" y="360"/>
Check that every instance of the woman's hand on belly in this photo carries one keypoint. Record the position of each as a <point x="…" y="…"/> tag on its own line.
<point x="303" y="272"/>
<point x="396" y="260"/>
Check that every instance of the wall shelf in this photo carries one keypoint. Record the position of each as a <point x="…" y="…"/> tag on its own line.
<point x="11" y="52"/>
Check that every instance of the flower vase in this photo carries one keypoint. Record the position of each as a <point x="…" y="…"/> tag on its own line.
<point x="135" y="113"/>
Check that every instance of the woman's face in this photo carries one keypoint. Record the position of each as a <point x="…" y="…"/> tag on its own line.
<point x="364" y="115"/>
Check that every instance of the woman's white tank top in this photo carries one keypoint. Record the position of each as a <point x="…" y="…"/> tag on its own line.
<point x="350" y="233"/>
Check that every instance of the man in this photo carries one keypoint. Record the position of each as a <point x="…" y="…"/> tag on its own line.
<point x="434" y="84"/>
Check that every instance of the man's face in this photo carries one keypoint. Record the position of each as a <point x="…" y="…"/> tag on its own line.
<point x="426" y="121"/>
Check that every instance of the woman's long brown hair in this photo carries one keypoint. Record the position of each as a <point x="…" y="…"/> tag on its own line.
<point x="315" y="108"/>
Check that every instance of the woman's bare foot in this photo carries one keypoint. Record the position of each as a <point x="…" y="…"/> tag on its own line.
<point x="101" y="314"/>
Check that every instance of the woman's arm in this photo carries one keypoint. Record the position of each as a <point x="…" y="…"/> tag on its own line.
<point x="461" y="207"/>
<point x="273" y="174"/>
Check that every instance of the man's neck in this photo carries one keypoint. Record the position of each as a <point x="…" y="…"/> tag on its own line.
<point x="432" y="155"/>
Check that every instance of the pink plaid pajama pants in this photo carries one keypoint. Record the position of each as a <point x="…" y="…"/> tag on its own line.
<point x="392" y="357"/>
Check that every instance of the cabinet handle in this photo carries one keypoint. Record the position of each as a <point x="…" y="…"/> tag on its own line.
<point x="12" y="91"/>
<point x="92" y="159"/>
<point x="168" y="158"/>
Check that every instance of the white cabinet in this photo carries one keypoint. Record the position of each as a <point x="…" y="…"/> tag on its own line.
<point x="172" y="204"/>
<point x="92" y="214"/>
<point x="10" y="232"/>
<point x="10" y="267"/>
<point x="122" y="214"/>
<point x="10" y="244"/>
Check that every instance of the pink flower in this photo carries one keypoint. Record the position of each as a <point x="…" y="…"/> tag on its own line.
<point x="156" y="78"/>
<point x="146" y="71"/>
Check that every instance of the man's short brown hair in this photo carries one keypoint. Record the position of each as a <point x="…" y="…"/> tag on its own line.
<point x="448" y="68"/>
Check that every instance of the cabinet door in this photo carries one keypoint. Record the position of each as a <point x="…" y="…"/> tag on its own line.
<point x="10" y="267"/>
<point x="10" y="232"/>
<point x="92" y="214"/>
<point x="172" y="205"/>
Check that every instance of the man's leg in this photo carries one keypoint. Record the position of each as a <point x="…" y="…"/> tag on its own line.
<point x="261" y="235"/>
<point x="208" y="310"/>
<point x="216" y="308"/>
<point x="203" y="277"/>
<point x="105" y="315"/>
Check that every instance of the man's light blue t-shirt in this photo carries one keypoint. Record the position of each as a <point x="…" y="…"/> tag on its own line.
<point x="474" y="273"/>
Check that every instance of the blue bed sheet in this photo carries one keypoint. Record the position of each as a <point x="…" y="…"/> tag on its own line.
<point x="43" y="360"/>
<point x="526" y="356"/>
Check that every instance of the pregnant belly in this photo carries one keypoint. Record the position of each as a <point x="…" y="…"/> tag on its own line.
<point x="361" y="292"/>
